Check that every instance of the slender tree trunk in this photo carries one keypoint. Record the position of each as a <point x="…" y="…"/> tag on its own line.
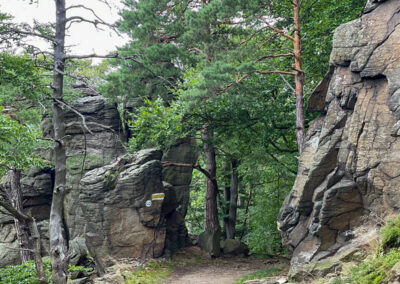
<point x="299" y="79"/>
<point x="41" y="275"/>
<point x="227" y="196"/>
<point x="211" y="214"/>
<point x="14" y="195"/>
<point x="58" y="246"/>
<point x="233" y="199"/>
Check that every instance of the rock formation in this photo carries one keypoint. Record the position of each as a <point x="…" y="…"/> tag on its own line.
<point x="110" y="202"/>
<point x="349" y="174"/>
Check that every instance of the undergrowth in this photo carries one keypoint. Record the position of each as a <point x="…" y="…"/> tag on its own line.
<point x="26" y="273"/>
<point x="377" y="270"/>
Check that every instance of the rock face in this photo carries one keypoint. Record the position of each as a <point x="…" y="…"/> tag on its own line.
<point x="122" y="218"/>
<point x="110" y="203"/>
<point x="177" y="187"/>
<point x="349" y="173"/>
<point x="36" y="187"/>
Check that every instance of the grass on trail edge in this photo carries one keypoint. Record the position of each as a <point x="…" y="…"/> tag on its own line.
<point x="156" y="271"/>
<point x="152" y="273"/>
<point x="270" y="272"/>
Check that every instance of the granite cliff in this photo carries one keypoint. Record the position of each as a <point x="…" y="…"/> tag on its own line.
<point x="349" y="174"/>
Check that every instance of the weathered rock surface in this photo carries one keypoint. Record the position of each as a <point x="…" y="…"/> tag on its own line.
<point x="179" y="179"/>
<point x="37" y="189"/>
<point x="349" y="173"/>
<point x="122" y="218"/>
<point x="106" y="205"/>
<point x="232" y="247"/>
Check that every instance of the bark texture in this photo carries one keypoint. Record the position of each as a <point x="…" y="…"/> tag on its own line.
<point x="211" y="216"/>
<point x="14" y="195"/>
<point x="233" y="199"/>
<point x="299" y="79"/>
<point x="58" y="246"/>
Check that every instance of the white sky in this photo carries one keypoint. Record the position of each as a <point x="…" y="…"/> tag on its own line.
<point x="82" y="37"/>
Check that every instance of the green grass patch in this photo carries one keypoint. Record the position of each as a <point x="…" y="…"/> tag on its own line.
<point x="270" y="272"/>
<point x="154" y="272"/>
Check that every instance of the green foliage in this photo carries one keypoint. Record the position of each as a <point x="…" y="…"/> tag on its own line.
<point x="110" y="178"/>
<point x="17" y="145"/>
<point x="260" y="274"/>
<point x="155" y="125"/>
<point x="21" y="87"/>
<point x="152" y="273"/>
<point x="390" y="234"/>
<point x="200" y="58"/>
<point x="78" y="269"/>
<point x="263" y="235"/>
<point x="195" y="214"/>
<point x="24" y="273"/>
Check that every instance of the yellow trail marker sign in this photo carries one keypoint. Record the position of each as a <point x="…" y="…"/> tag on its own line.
<point x="157" y="196"/>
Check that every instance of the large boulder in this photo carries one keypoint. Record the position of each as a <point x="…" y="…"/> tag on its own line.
<point x="109" y="191"/>
<point x="349" y="173"/>
<point x="123" y="215"/>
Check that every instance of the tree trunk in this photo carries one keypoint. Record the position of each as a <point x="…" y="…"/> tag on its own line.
<point x="211" y="214"/>
<point x="233" y="199"/>
<point x="41" y="275"/>
<point x="299" y="79"/>
<point x="14" y="195"/>
<point x="227" y="196"/>
<point x="58" y="247"/>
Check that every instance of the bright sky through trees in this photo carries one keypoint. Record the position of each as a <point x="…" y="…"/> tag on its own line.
<point x="84" y="38"/>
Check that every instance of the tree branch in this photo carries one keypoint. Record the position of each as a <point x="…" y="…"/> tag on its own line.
<point x="196" y="167"/>
<point x="290" y="54"/>
<point x="276" y="30"/>
<point x="15" y="213"/>
<point x="28" y="33"/>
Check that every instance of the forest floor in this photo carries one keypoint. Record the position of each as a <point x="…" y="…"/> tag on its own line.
<point x="195" y="268"/>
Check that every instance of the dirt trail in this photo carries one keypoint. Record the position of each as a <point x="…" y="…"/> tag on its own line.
<point x="220" y="271"/>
